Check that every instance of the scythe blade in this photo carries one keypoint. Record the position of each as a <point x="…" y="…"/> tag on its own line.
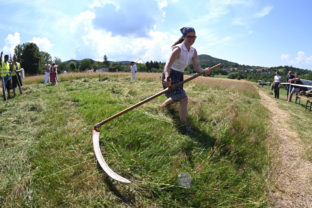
<point x="100" y="158"/>
<point x="96" y="133"/>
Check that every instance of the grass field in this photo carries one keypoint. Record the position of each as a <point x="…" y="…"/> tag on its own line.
<point x="47" y="156"/>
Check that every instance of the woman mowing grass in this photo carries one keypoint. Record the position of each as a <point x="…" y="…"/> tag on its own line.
<point x="182" y="54"/>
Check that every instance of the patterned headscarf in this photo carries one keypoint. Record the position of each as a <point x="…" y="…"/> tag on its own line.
<point x="185" y="30"/>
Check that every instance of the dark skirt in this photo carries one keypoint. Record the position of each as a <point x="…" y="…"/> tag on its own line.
<point x="53" y="77"/>
<point x="13" y="83"/>
<point x="178" y="93"/>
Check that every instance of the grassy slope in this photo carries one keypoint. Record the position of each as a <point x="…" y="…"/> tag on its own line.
<point x="47" y="156"/>
<point x="300" y="119"/>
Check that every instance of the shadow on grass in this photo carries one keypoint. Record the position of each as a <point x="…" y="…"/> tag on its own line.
<point x="191" y="129"/>
<point x="123" y="195"/>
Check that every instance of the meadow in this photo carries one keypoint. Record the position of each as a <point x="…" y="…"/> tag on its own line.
<point x="47" y="157"/>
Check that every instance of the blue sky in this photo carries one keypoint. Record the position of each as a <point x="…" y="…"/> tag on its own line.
<point x="253" y="32"/>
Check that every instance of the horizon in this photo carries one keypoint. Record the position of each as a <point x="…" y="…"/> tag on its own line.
<point x="247" y="32"/>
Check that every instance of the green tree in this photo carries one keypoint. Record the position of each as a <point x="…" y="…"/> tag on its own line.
<point x="85" y="64"/>
<point x="308" y="76"/>
<point x="57" y="60"/>
<point x="114" y="67"/>
<point x="148" y="66"/>
<point x="61" y="67"/>
<point x="72" y="66"/>
<point x="18" y="50"/>
<point x="30" y="59"/>
<point x="106" y="62"/>
<point x="141" y="67"/>
<point x="46" y="57"/>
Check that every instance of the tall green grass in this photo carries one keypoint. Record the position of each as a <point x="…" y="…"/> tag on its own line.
<point x="225" y="153"/>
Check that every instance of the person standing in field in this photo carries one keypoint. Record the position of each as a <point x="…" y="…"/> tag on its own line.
<point x="5" y="74"/>
<point x="288" y="87"/>
<point x="16" y="79"/>
<point x="295" y="89"/>
<point x="182" y="54"/>
<point x="134" y="70"/>
<point x="53" y="74"/>
<point x="47" y="73"/>
<point x="276" y="84"/>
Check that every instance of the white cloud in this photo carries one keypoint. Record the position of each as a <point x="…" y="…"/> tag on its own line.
<point x="95" y="43"/>
<point x="301" y="60"/>
<point x="134" y="37"/>
<point x="264" y="12"/>
<point x="284" y="57"/>
<point x="134" y="18"/>
<point x="43" y="43"/>
<point x="162" y="4"/>
<point x="10" y="42"/>
<point x="82" y="22"/>
<point x="101" y="3"/>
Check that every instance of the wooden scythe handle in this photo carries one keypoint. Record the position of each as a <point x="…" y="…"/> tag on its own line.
<point x="98" y="125"/>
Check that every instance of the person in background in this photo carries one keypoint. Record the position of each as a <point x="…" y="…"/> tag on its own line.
<point x="5" y="74"/>
<point x="276" y="84"/>
<point x="53" y="74"/>
<point x="56" y="74"/>
<point x="15" y="69"/>
<point x="288" y="87"/>
<point x="47" y="73"/>
<point x="181" y="56"/>
<point x="295" y="89"/>
<point x="134" y="70"/>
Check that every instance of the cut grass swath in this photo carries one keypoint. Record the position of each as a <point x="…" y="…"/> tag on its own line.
<point x="96" y="132"/>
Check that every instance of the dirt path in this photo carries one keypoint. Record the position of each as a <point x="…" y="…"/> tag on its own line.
<point x="290" y="172"/>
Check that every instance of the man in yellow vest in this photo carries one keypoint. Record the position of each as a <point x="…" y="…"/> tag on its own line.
<point x="16" y="80"/>
<point x="5" y="74"/>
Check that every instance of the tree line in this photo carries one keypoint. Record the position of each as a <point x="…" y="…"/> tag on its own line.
<point x="33" y="61"/>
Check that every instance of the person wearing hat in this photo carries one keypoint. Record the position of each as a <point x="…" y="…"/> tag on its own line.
<point x="288" y="78"/>
<point x="181" y="56"/>
<point x="133" y="69"/>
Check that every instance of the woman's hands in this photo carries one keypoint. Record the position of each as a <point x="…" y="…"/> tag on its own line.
<point x="207" y="71"/>
<point x="167" y="82"/>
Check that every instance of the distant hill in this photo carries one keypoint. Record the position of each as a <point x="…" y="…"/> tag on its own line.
<point x="78" y="61"/>
<point x="205" y="59"/>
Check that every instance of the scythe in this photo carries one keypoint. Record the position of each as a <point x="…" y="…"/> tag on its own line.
<point x="96" y="132"/>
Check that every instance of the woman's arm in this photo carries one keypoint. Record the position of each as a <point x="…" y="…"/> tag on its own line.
<point x="173" y="56"/>
<point x="197" y="66"/>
